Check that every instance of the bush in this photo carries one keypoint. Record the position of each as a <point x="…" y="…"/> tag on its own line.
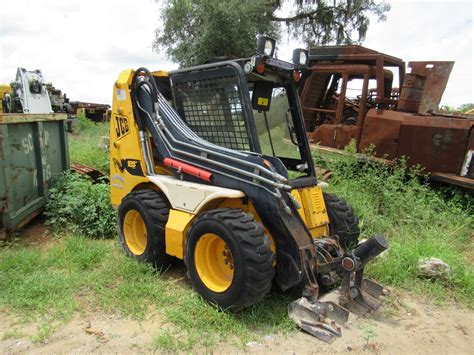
<point x="77" y="205"/>
<point x="84" y="123"/>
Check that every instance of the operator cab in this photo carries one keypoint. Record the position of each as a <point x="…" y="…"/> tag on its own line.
<point x="249" y="105"/>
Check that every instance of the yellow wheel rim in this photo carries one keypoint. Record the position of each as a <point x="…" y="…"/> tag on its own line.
<point x="134" y="231"/>
<point x="214" y="262"/>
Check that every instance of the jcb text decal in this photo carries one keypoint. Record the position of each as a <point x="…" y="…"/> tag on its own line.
<point x="122" y="127"/>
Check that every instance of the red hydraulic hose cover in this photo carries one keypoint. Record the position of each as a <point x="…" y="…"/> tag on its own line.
<point x="188" y="169"/>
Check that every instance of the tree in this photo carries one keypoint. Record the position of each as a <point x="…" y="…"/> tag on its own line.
<point x="464" y="108"/>
<point x="196" y="30"/>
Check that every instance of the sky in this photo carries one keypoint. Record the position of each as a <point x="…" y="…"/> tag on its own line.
<point x="82" y="45"/>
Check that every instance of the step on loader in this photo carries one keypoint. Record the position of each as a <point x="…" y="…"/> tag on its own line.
<point x="211" y="165"/>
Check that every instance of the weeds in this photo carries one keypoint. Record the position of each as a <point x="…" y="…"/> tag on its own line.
<point x="417" y="220"/>
<point x="12" y="334"/>
<point x="165" y="340"/>
<point x="77" y="205"/>
<point x="192" y="317"/>
<point x="84" y="144"/>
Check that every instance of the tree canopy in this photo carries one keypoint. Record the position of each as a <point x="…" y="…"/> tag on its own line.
<point x="196" y="30"/>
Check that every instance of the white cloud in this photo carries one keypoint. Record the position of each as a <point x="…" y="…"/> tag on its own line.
<point x="431" y="30"/>
<point x="82" y="45"/>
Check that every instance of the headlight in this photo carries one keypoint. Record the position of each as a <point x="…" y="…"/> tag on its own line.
<point x="303" y="58"/>
<point x="300" y="57"/>
<point x="266" y="46"/>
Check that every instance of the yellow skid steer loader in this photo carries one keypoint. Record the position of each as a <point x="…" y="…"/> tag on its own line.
<point x="211" y="165"/>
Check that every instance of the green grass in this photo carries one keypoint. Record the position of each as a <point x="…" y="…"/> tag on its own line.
<point x="12" y="334"/>
<point x="73" y="274"/>
<point x="84" y="144"/>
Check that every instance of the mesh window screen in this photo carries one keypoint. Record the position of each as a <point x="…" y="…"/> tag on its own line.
<point x="212" y="108"/>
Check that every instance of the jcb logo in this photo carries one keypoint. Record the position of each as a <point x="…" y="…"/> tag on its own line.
<point x="121" y="126"/>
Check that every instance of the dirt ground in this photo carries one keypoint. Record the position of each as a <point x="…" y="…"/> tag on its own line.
<point x="405" y="324"/>
<point x="410" y="326"/>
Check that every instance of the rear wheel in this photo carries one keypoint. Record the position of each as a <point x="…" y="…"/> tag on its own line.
<point x="342" y="221"/>
<point x="142" y="218"/>
<point x="229" y="258"/>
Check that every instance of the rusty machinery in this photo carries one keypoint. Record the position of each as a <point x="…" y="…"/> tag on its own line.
<point x="30" y="93"/>
<point x="350" y="95"/>
<point x="93" y="111"/>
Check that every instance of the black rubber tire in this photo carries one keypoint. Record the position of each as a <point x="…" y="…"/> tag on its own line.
<point x="154" y="209"/>
<point x="342" y="221"/>
<point x="252" y="257"/>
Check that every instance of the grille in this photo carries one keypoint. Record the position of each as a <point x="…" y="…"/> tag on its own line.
<point x="317" y="197"/>
<point x="212" y="108"/>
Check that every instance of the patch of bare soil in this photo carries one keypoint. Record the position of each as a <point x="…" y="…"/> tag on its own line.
<point x="408" y="325"/>
<point x="35" y="233"/>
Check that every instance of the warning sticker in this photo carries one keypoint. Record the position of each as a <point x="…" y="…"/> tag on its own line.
<point x="262" y="101"/>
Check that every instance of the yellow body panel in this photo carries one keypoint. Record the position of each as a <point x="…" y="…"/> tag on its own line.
<point x="175" y="232"/>
<point x="313" y="210"/>
<point x="125" y="147"/>
<point x="161" y="73"/>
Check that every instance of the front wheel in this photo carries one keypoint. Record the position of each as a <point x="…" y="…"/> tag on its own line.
<point x="229" y="259"/>
<point x="142" y="218"/>
<point x="342" y="221"/>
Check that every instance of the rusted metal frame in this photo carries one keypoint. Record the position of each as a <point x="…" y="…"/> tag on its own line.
<point x="437" y="76"/>
<point x="344" y="68"/>
<point x="454" y="115"/>
<point x="380" y="79"/>
<point x="306" y="86"/>
<point x="401" y="76"/>
<point x="452" y="179"/>
<point x="341" y="99"/>
<point x="363" y="100"/>
<point x="359" y="156"/>
<point x="389" y="60"/>
<point x="318" y="109"/>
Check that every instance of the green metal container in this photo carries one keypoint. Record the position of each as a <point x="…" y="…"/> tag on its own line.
<point x="33" y="151"/>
